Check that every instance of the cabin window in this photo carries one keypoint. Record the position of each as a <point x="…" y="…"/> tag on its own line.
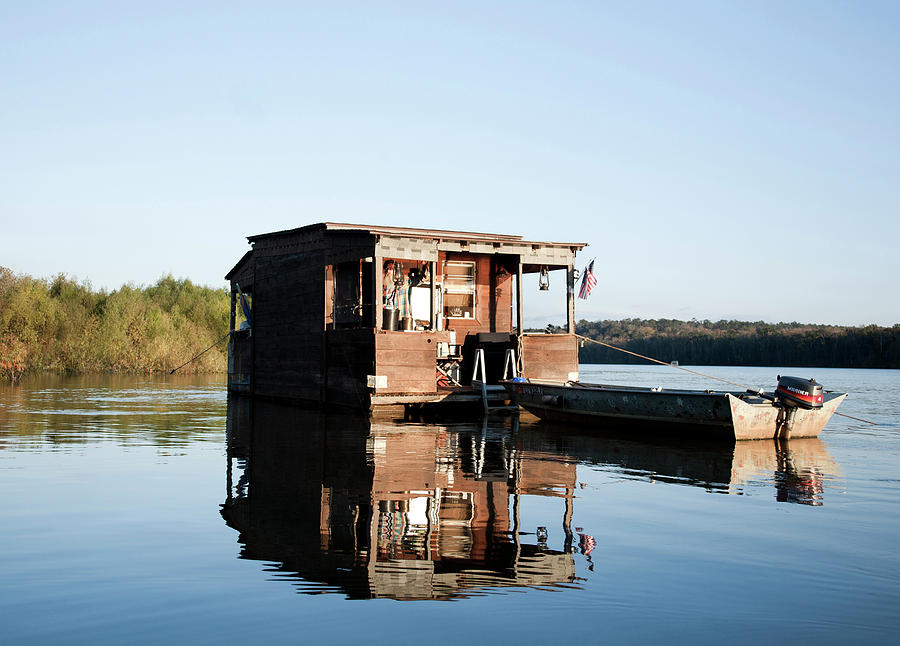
<point x="459" y="289"/>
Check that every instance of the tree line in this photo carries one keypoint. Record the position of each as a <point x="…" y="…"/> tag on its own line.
<point x="66" y="326"/>
<point x="742" y="343"/>
<point x="62" y="325"/>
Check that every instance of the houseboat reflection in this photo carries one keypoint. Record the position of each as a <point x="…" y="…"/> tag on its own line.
<point x="377" y="508"/>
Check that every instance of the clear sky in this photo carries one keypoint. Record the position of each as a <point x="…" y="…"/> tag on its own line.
<point x="722" y="159"/>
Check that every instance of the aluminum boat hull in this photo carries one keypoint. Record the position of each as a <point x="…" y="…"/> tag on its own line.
<point x="736" y="415"/>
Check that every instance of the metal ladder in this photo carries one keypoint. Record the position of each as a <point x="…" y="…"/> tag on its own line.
<point x="509" y="366"/>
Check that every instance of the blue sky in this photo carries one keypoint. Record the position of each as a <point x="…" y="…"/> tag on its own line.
<point x="722" y="159"/>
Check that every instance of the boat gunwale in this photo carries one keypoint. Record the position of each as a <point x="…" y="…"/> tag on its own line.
<point x="744" y="396"/>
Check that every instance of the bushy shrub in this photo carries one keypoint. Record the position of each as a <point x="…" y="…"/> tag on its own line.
<point x="65" y="325"/>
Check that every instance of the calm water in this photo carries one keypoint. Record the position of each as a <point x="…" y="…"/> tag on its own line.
<point x="154" y="509"/>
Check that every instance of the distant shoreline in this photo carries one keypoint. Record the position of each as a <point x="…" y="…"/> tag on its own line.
<point x="742" y="343"/>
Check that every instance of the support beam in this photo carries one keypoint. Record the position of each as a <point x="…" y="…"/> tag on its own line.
<point x="492" y="300"/>
<point x="519" y="306"/>
<point x="232" y="319"/>
<point x="377" y="278"/>
<point x="432" y="265"/>
<point x="570" y="299"/>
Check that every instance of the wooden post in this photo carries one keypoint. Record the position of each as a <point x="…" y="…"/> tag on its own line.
<point x="492" y="301"/>
<point x="570" y="298"/>
<point x="377" y="277"/>
<point x="434" y="314"/>
<point x="255" y="314"/>
<point x="232" y="320"/>
<point x="519" y="307"/>
<point x="323" y="355"/>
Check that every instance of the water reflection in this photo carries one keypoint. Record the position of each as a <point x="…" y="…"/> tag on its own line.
<point x="378" y="508"/>
<point x="798" y="469"/>
<point x="62" y="413"/>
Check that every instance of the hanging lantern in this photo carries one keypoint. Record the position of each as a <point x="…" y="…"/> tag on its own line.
<point x="544" y="280"/>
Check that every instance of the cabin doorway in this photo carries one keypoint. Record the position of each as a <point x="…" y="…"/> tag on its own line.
<point x="350" y="297"/>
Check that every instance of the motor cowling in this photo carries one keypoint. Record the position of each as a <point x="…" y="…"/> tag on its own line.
<point x="799" y="392"/>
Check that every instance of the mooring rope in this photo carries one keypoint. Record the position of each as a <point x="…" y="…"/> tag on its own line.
<point x="197" y="356"/>
<point x="663" y="363"/>
<point x="754" y="391"/>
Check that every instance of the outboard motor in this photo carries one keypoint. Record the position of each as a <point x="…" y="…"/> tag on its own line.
<point x="799" y="392"/>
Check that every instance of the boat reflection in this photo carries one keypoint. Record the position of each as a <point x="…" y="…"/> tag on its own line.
<point x="378" y="508"/>
<point x="797" y="468"/>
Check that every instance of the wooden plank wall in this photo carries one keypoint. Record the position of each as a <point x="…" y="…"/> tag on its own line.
<point x="350" y="357"/>
<point x="504" y="288"/>
<point x="408" y="360"/>
<point x="244" y="277"/>
<point x="549" y="356"/>
<point x="289" y="310"/>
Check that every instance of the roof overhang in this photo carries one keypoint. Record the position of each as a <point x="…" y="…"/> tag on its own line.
<point x="241" y="267"/>
<point x="445" y="240"/>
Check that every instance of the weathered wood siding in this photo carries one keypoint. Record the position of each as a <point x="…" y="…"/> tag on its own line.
<point x="504" y="288"/>
<point x="408" y="361"/>
<point x="549" y="356"/>
<point x="242" y="273"/>
<point x="289" y="310"/>
<point x="349" y="358"/>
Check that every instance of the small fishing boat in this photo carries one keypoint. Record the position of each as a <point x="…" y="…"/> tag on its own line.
<point x="797" y="408"/>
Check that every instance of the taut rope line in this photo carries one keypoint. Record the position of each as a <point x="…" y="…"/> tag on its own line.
<point x="663" y="363"/>
<point x="197" y="356"/>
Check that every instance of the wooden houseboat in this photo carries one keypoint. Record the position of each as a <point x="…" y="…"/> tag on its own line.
<point x="368" y="316"/>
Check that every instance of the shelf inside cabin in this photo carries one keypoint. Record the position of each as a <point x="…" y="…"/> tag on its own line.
<point x="459" y="289"/>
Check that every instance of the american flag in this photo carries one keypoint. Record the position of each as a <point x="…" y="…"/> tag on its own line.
<point x="588" y="281"/>
<point x="586" y="543"/>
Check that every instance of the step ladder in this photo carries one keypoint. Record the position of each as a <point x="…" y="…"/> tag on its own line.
<point x="490" y="392"/>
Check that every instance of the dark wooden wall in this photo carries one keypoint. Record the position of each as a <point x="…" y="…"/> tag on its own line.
<point x="242" y="273"/>
<point x="289" y="314"/>
<point x="349" y="358"/>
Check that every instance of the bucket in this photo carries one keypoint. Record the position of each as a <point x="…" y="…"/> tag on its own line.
<point x="408" y="323"/>
<point x="389" y="319"/>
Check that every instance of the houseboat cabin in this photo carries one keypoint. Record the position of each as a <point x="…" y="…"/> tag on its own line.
<point x="367" y="316"/>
